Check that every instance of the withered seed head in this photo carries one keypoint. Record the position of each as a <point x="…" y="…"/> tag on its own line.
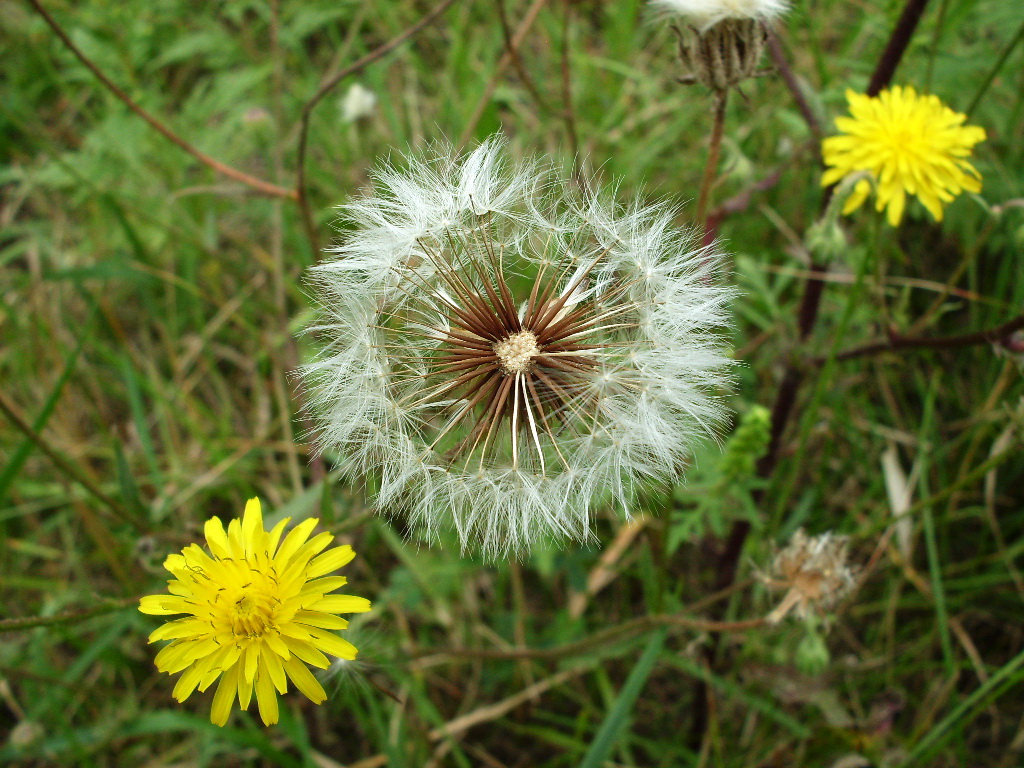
<point x="813" y="570"/>
<point x="725" y="54"/>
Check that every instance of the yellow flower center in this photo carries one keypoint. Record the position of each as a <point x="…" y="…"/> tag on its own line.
<point x="251" y="615"/>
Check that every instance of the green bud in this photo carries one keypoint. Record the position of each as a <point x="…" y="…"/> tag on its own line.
<point x="825" y="240"/>
<point x="812" y="655"/>
<point x="746" y="444"/>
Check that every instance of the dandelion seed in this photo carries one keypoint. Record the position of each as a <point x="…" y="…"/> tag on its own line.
<point x="814" y="573"/>
<point x="912" y="144"/>
<point x="505" y="355"/>
<point x="358" y="103"/>
<point x="256" y="613"/>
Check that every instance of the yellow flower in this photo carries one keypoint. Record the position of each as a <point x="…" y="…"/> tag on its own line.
<point x="911" y="144"/>
<point x="257" y="613"/>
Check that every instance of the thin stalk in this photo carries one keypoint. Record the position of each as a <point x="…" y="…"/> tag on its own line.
<point x="995" y="70"/>
<point x="714" y="150"/>
<point x="67" y="467"/>
<point x="64" y="619"/>
<point x="936" y="39"/>
<point x="261" y="186"/>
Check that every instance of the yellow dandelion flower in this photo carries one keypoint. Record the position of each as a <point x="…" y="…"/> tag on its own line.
<point x="257" y="613"/>
<point x="911" y="144"/>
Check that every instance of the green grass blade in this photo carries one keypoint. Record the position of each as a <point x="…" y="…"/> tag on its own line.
<point x="1007" y="677"/>
<point x="615" y="721"/>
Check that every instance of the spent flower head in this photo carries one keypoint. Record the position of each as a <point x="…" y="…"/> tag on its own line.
<point x="726" y="38"/>
<point x="255" y="613"/>
<point x="505" y="353"/>
<point x="813" y="571"/>
<point x="911" y="144"/>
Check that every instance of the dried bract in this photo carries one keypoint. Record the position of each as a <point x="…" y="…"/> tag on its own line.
<point x="724" y="40"/>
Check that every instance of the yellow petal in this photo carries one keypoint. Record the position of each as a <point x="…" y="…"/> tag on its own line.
<point x="252" y="526"/>
<point x="277" y="645"/>
<point x="295" y="539"/>
<point x="340" y="604"/>
<point x="174" y="563"/>
<point x="319" y="587"/>
<point x="305" y="651"/>
<point x="323" y="620"/>
<point x="188" y="681"/>
<point x="332" y="644"/>
<point x="216" y="538"/>
<point x="244" y="691"/>
<point x="252" y="659"/>
<point x="235" y="541"/>
<point x="164" y="605"/>
<point x="179" y="628"/>
<point x="860" y="193"/>
<point x="896" y="205"/>
<point x="271" y="662"/>
<point x="275" y="536"/>
<point x="266" y="698"/>
<point x="331" y="560"/>
<point x="224" y="697"/>
<point x="305" y="681"/>
<point x="305" y="552"/>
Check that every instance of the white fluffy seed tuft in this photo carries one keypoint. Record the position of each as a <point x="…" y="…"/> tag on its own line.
<point x="506" y="356"/>
<point x="706" y="13"/>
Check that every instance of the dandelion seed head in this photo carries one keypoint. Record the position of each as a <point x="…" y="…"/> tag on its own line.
<point x="530" y="352"/>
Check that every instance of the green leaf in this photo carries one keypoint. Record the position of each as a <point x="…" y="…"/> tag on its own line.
<point x="616" y="719"/>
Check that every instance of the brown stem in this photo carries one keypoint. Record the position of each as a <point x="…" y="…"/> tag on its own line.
<point x="612" y="634"/>
<point x="517" y="60"/>
<point x="896" y="341"/>
<point x="8" y="410"/>
<point x="261" y="186"/>
<point x="570" y="115"/>
<point x="327" y="84"/>
<point x="714" y="150"/>
<point x="897" y="46"/>
<point x="478" y="111"/>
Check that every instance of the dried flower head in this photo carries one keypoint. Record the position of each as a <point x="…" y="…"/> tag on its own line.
<point x="504" y="354"/>
<point x="911" y="144"/>
<point x="704" y="14"/>
<point x="813" y="571"/>
<point x="257" y="613"/>
<point x="726" y="38"/>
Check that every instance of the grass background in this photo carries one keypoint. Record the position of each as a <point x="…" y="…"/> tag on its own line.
<point x="148" y="312"/>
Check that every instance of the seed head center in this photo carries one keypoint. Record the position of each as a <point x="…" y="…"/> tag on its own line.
<point x="516" y="351"/>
